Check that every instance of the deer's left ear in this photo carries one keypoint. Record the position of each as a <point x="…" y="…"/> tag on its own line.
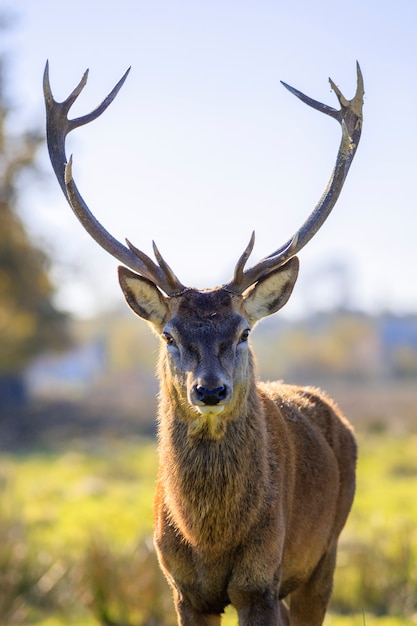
<point x="270" y="294"/>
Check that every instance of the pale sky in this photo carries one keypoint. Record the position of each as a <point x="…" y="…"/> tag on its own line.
<point x="203" y="144"/>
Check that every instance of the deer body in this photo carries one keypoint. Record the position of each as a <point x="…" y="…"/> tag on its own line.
<point x="234" y="524"/>
<point x="255" y="480"/>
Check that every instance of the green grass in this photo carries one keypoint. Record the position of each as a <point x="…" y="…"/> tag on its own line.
<point x="367" y="620"/>
<point x="61" y="505"/>
<point x="66" y="497"/>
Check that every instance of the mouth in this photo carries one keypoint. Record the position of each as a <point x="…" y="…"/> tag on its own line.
<point x="208" y="422"/>
<point x="207" y="409"/>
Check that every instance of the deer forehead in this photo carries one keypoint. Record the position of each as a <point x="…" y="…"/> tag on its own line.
<point x="214" y="312"/>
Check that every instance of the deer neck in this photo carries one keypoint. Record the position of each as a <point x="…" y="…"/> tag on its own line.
<point x="208" y="482"/>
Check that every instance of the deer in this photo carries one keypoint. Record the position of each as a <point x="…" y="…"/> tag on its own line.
<point x="256" y="479"/>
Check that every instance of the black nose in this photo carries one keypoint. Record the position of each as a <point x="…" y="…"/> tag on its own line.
<point x="211" y="396"/>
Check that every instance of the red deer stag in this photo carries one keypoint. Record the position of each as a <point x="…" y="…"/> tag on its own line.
<point x="256" y="480"/>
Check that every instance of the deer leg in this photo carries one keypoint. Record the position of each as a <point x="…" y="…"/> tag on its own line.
<point x="256" y="608"/>
<point x="187" y="616"/>
<point x="278" y="616"/>
<point x="202" y="619"/>
<point x="309" y="602"/>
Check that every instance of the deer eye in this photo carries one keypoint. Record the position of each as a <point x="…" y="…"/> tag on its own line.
<point x="169" y="339"/>
<point x="245" y="335"/>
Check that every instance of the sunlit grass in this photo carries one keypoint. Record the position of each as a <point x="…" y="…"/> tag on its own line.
<point x="367" y="620"/>
<point x="65" y="498"/>
<point x="387" y="470"/>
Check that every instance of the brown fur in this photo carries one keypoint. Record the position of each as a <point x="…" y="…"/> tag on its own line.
<point x="250" y="501"/>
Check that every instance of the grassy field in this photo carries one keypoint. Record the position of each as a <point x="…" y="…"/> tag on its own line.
<point x="76" y="522"/>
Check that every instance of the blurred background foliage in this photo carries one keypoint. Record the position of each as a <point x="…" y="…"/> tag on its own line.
<point x="29" y="321"/>
<point x="78" y="456"/>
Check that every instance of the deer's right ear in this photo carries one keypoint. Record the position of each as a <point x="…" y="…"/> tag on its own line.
<point x="143" y="297"/>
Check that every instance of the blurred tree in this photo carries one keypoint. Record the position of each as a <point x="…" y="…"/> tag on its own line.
<point x="29" y="321"/>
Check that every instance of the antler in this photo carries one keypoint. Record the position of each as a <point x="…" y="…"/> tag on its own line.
<point x="350" y="117"/>
<point x="57" y="128"/>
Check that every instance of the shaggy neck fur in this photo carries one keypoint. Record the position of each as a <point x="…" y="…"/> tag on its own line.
<point x="212" y="492"/>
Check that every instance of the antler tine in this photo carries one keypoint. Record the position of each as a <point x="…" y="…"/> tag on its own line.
<point x="173" y="286"/>
<point x="58" y="125"/>
<point x="350" y="117"/>
<point x="240" y="265"/>
<point x="57" y="128"/>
